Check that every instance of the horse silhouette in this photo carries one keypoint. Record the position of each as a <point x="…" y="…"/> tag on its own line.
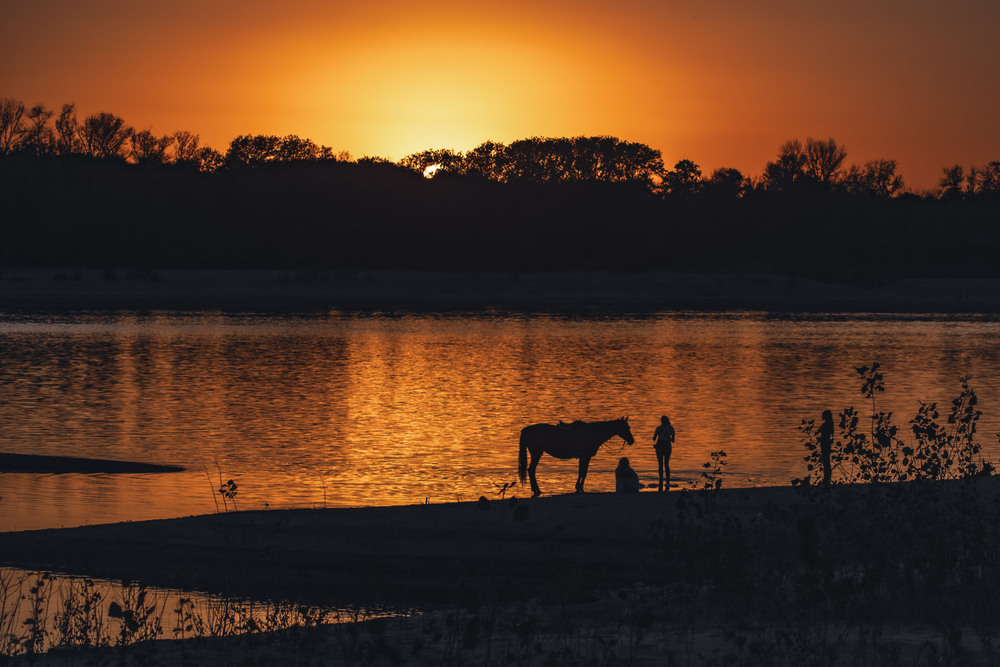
<point x="578" y="440"/>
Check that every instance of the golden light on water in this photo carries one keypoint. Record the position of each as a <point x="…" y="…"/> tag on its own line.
<point x="336" y="410"/>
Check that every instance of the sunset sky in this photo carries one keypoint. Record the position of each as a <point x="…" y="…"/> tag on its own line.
<point x="720" y="82"/>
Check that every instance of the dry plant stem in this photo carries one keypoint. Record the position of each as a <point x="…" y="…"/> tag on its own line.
<point x="225" y="504"/>
<point x="212" y="486"/>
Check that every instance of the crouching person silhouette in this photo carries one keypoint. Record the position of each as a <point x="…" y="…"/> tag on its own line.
<point x="626" y="481"/>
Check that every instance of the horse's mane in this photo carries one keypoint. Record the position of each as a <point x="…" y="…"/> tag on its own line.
<point x="579" y="422"/>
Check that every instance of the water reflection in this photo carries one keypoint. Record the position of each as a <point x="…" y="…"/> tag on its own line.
<point x="42" y="610"/>
<point x="347" y="410"/>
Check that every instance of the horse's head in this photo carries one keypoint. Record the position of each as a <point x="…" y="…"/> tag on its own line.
<point x="623" y="431"/>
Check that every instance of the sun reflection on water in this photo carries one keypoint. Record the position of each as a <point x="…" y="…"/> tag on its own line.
<point x="347" y="410"/>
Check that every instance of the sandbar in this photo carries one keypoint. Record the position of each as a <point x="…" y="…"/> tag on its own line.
<point x="37" y="463"/>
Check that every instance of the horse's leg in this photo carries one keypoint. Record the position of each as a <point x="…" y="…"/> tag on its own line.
<point x="584" y="464"/>
<point x="535" y="456"/>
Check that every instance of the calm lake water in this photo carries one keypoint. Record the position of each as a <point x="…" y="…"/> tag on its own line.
<point x="373" y="409"/>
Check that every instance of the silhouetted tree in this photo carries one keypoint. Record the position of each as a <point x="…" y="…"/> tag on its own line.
<point x="727" y="183"/>
<point x="249" y="150"/>
<point x="538" y="160"/>
<point x="373" y="160"/>
<point x="487" y="160"/>
<point x="210" y="160"/>
<point x="186" y="149"/>
<point x="788" y="169"/>
<point x="605" y="159"/>
<point x="626" y="161"/>
<point x="609" y="159"/>
<point x="438" y="160"/>
<point x="985" y="179"/>
<point x="822" y="160"/>
<point x="144" y="147"/>
<point x="257" y="149"/>
<point x="875" y="177"/>
<point x="950" y="184"/>
<point x="38" y="136"/>
<point x="683" y="181"/>
<point x="292" y="148"/>
<point x="591" y="158"/>
<point x="11" y="125"/>
<point x="105" y="135"/>
<point x="67" y="131"/>
<point x="187" y="153"/>
<point x="547" y="160"/>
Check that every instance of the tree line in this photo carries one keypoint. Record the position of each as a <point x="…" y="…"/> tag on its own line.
<point x="97" y="193"/>
<point x="813" y="164"/>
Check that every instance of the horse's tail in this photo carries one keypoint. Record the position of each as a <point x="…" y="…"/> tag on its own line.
<point x="522" y="460"/>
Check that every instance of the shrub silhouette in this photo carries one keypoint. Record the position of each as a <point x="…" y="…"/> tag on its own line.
<point x="881" y="453"/>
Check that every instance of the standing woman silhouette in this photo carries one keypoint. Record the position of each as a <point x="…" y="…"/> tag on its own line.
<point x="663" y="443"/>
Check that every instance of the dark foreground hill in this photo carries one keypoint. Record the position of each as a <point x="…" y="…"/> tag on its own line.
<point x="850" y="575"/>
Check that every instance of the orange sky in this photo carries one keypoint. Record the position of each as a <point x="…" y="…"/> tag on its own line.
<point x="721" y="82"/>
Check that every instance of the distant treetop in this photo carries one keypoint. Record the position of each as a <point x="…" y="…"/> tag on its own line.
<point x="800" y="167"/>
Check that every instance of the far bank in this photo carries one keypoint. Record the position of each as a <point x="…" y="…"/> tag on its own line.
<point x="557" y="292"/>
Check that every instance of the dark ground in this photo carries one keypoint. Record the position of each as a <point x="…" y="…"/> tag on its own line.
<point x="406" y="555"/>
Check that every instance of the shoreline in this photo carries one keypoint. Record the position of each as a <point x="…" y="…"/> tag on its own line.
<point x="402" y="555"/>
<point x="596" y="291"/>
<point x="395" y="555"/>
<point x="685" y="573"/>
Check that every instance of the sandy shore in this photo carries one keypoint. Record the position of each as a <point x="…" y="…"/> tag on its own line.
<point x="389" y="290"/>
<point x="413" y="555"/>
<point x="589" y="572"/>
<point x="404" y="555"/>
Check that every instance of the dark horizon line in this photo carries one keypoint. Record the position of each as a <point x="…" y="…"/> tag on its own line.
<point x="44" y="133"/>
